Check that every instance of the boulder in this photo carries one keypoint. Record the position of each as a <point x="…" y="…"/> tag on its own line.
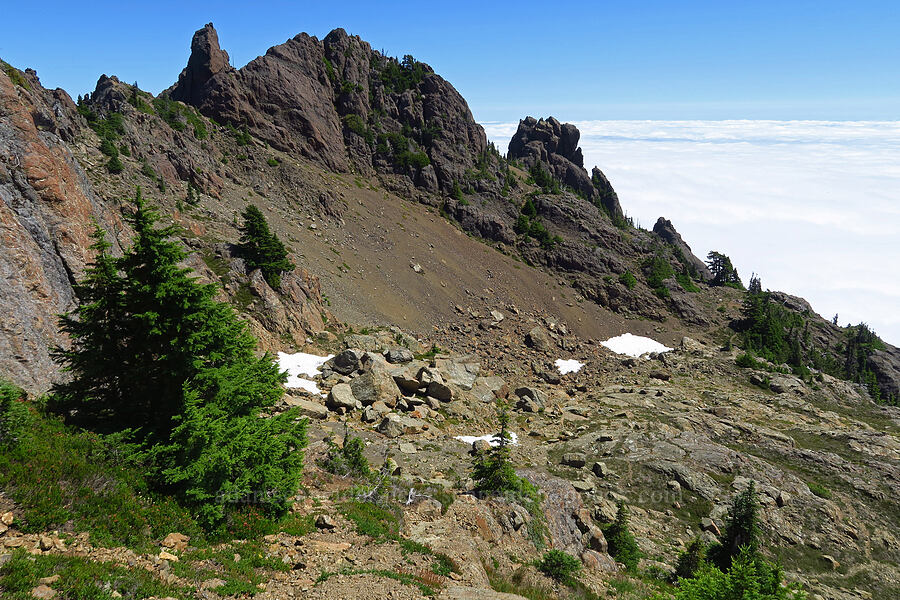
<point x="583" y="486"/>
<point x="325" y="522"/>
<point x="574" y="459"/>
<point x="212" y="584"/>
<point x="441" y="391"/>
<point x="538" y="338"/>
<point x="601" y="470"/>
<point x="346" y="362"/>
<point x="530" y="399"/>
<point x="479" y="446"/>
<point x="394" y="425"/>
<point x="374" y="385"/>
<point x="595" y="540"/>
<point x="399" y="356"/>
<point x="488" y="389"/>
<point x="43" y="592"/>
<point x="461" y="371"/>
<point x="599" y="561"/>
<point x="342" y="399"/>
<point x="405" y="380"/>
<point x="175" y="541"/>
<point x="426" y="375"/>
<point x="307" y="408"/>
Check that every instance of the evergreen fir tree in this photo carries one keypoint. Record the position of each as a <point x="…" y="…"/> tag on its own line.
<point x="261" y="248"/>
<point x="741" y="529"/>
<point x="94" y="395"/>
<point x="622" y="544"/>
<point x="722" y="270"/>
<point x="690" y="561"/>
<point x="155" y="356"/>
<point x="492" y="470"/>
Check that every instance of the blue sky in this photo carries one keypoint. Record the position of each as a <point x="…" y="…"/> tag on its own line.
<point x="575" y="60"/>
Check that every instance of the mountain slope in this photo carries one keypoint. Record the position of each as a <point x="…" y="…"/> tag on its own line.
<point x="384" y="237"/>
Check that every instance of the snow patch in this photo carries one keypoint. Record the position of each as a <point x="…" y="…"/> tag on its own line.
<point x="299" y="365"/>
<point x="568" y="366"/>
<point x="490" y="438"/>
<point x="634" y="345"/>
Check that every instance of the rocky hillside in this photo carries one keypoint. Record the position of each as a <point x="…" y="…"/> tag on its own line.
<point x="444" y="275"/>
<point x="340" y="103"/>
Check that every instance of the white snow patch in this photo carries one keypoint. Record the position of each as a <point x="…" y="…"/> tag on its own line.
<point x="568" y="366"/>
<point x="633" y="345"/>
<point x="302" y="364"/>
<point x="490" y="438"/>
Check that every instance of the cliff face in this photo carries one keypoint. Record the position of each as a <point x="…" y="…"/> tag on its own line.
<point x="340" y="103"/>
<point x="46" y="216"/>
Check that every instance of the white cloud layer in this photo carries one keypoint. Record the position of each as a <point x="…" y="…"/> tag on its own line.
<point x="811" y="206"/>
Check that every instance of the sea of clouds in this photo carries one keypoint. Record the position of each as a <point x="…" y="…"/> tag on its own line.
<point x="813" y="207"/>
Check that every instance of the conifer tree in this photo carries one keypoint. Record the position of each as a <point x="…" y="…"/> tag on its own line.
<point x="94" y="395"/>
<point x="155" y="356"/>
<point x="622" y="544"/>
<point x="261" y="248"/>
<point x="741" y="529"/>
<point x="722" y="270"/>
<point x="492" y="470"/>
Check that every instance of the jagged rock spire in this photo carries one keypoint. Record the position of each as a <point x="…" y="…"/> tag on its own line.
<point x="206" y="60"/>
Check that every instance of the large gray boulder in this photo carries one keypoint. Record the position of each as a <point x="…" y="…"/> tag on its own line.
<point x="460" y="371"/>
<point x="374" y="385"/>
<point x="342" y="399"/>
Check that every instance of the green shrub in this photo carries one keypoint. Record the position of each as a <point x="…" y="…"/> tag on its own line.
<point x="658" y="270"/>
<point x="356" y="124"/>
<point x="628" y="280"/>
<point x="147" y="170"/>
<point x="819" y="490"/>
<point x="13" y="414"/>
<point x="559" y="565"/>
<point x="746" y="578"/>
<point x="58" y="475"/>
<point x="115" y="165"/>
<point x="686" y="283"/>
<point x="81" y="579"/>
<point x="691" y="559"/>
<point x="399" y="76"/>
<point x="108" y="147"/>
<point x="543" y="179"/>
<point x="723" y="271"/>
<point x="15" y="75"/>
<point x="329" y="69"/>
<point x="742" y="529"/>
<point x="457" y="192"/>
<point x="272" y="162"/>
<point x="347" y="459"/>
<point x="746" y="360"/>
<point x="242" y="137"/>
<point x="493" y="474"/>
